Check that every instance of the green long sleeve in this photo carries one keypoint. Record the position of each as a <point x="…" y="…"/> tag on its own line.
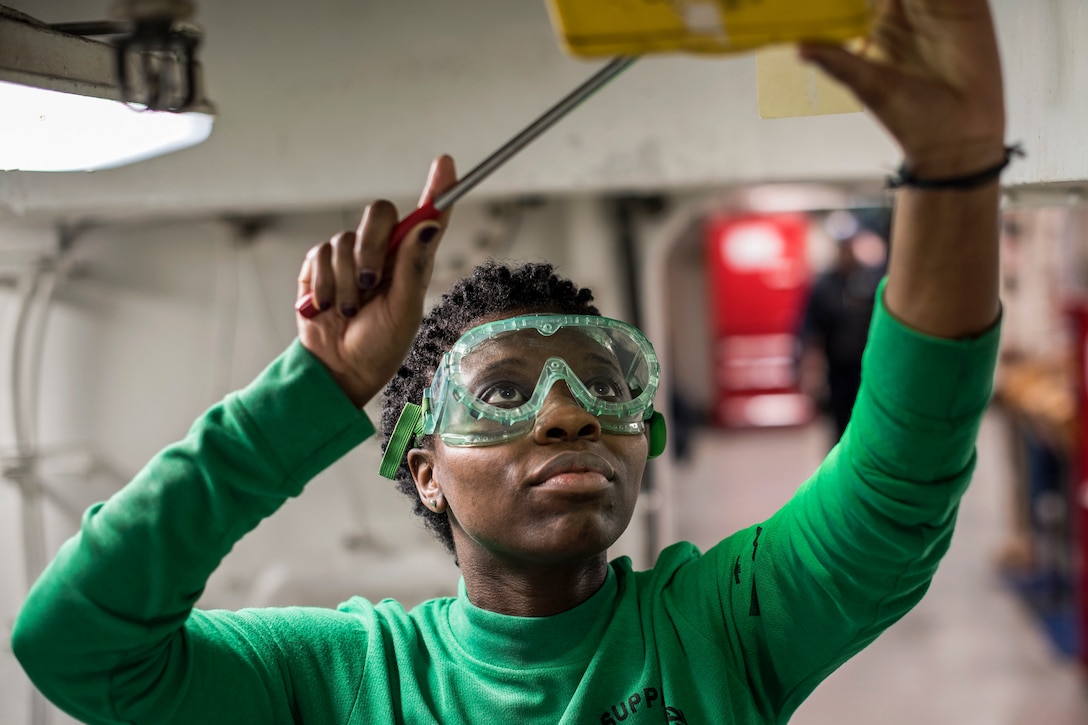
<point x="103" y="632"/>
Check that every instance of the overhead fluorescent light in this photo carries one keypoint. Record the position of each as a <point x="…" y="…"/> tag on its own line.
<point x="43" y="130"/>
<point x="61" y="107"/>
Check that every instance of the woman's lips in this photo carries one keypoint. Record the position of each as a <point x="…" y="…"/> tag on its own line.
<point x="575" y="472"/>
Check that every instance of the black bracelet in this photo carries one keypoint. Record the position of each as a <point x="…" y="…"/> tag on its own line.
<point x="905" y="177"/>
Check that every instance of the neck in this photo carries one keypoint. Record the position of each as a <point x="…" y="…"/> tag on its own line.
<point x="532" y="589"/>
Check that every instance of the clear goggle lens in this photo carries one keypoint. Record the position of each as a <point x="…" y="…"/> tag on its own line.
<point x="492" y="384"/>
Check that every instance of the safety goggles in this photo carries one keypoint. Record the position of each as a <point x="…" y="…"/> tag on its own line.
<point x="491" y="386"/>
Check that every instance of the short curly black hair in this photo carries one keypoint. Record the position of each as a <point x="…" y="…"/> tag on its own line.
<point x="490" y="289"/>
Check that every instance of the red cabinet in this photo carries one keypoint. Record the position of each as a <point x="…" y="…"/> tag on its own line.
<point x="758" y="280"/>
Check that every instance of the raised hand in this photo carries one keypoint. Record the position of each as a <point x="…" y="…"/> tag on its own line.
<point x="931" y="74"/>
<point x="372" y="303"/>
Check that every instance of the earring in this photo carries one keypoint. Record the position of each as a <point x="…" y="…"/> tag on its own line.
<point x="434" y="504"/>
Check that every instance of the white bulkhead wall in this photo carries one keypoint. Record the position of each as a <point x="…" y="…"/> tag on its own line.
<point x="333" y="102"/>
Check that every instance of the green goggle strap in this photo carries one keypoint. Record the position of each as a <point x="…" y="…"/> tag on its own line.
<point x="656" y="424"/>
<point x="409" y="426"/>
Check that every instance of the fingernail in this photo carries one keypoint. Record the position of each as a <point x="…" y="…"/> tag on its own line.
<point x="367" y="278"/>
<point x="324" y="305"/>
<point x="427" y="235"/>
<point x="349" y="310"/>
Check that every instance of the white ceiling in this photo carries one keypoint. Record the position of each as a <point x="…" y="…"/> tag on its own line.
<point x="329" y="102"/>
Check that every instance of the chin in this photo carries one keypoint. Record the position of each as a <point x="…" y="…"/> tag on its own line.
<point x="583" y="541"/>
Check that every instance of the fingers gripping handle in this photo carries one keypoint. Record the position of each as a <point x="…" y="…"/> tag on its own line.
<point x="307" y="306"/>
<point x="427" y="212"/>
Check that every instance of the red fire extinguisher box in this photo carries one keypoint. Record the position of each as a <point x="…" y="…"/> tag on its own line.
<point x="758" y="276"/>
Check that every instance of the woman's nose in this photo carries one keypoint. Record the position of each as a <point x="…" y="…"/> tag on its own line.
<point x="562" y="418"/>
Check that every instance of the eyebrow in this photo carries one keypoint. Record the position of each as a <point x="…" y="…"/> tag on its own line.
<point x="609" y="360"/>
<point x="499" y="361"/>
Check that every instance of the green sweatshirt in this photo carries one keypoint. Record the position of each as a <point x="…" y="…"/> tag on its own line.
<point x="740" y="634"/>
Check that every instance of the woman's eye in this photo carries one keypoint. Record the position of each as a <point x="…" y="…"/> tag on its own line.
<point x="606" y="389"/>
<point x="504" y="395"/>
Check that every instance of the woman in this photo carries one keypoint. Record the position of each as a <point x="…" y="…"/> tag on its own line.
<point x="526" y="454"/>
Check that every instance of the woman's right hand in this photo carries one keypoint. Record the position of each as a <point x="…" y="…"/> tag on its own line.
<point x="932" y="75"/>
<point x="371" y="305"/>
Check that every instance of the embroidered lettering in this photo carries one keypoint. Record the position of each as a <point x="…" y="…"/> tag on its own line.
<point x="674" y="715"/>
<point x="622" y="710"/>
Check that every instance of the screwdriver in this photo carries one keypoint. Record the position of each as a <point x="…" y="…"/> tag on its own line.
<point x="433" y="208"/>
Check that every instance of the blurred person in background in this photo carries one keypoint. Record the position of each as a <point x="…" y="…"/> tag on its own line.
<point x="835" y="321"/>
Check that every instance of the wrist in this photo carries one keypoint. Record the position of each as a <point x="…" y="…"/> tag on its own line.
<point x="358" y="391"/>
<point x="977" y="179"/>
<point x="354" y="378"/>
<point x="955" y="160"/>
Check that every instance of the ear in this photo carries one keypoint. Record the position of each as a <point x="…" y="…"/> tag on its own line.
<point x="421" y="464"/>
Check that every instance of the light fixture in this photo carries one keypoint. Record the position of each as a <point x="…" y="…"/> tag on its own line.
<point x="72" y="103"/>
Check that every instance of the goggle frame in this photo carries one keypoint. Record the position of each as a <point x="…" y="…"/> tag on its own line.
<point x="623" y="418"/>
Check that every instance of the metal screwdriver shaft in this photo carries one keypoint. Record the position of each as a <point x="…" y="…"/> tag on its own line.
<point x="432" y="209"/>
<point x="540" y="125"/>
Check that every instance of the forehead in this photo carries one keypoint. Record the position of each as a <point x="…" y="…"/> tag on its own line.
<point x="568" y="343"/>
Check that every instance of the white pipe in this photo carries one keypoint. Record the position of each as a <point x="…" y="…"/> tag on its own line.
<point x="28" y="291"/>
<point x="21" y="470"/>
<point x="27" y="345"/>
<point x="32" y="338"/>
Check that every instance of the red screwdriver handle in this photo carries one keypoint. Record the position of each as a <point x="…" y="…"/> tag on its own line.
<point x="425" y="213"/>
<point x="308" y="308"/>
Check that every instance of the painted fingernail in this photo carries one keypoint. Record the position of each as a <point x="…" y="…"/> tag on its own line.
<point x="427" y="235"/>
<point x="324" y="305"/>
<point x="367" y="278"/>
<point x="349" y="310"/>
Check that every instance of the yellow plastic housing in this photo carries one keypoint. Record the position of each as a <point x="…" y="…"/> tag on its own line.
<point x="594" y="28"/>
